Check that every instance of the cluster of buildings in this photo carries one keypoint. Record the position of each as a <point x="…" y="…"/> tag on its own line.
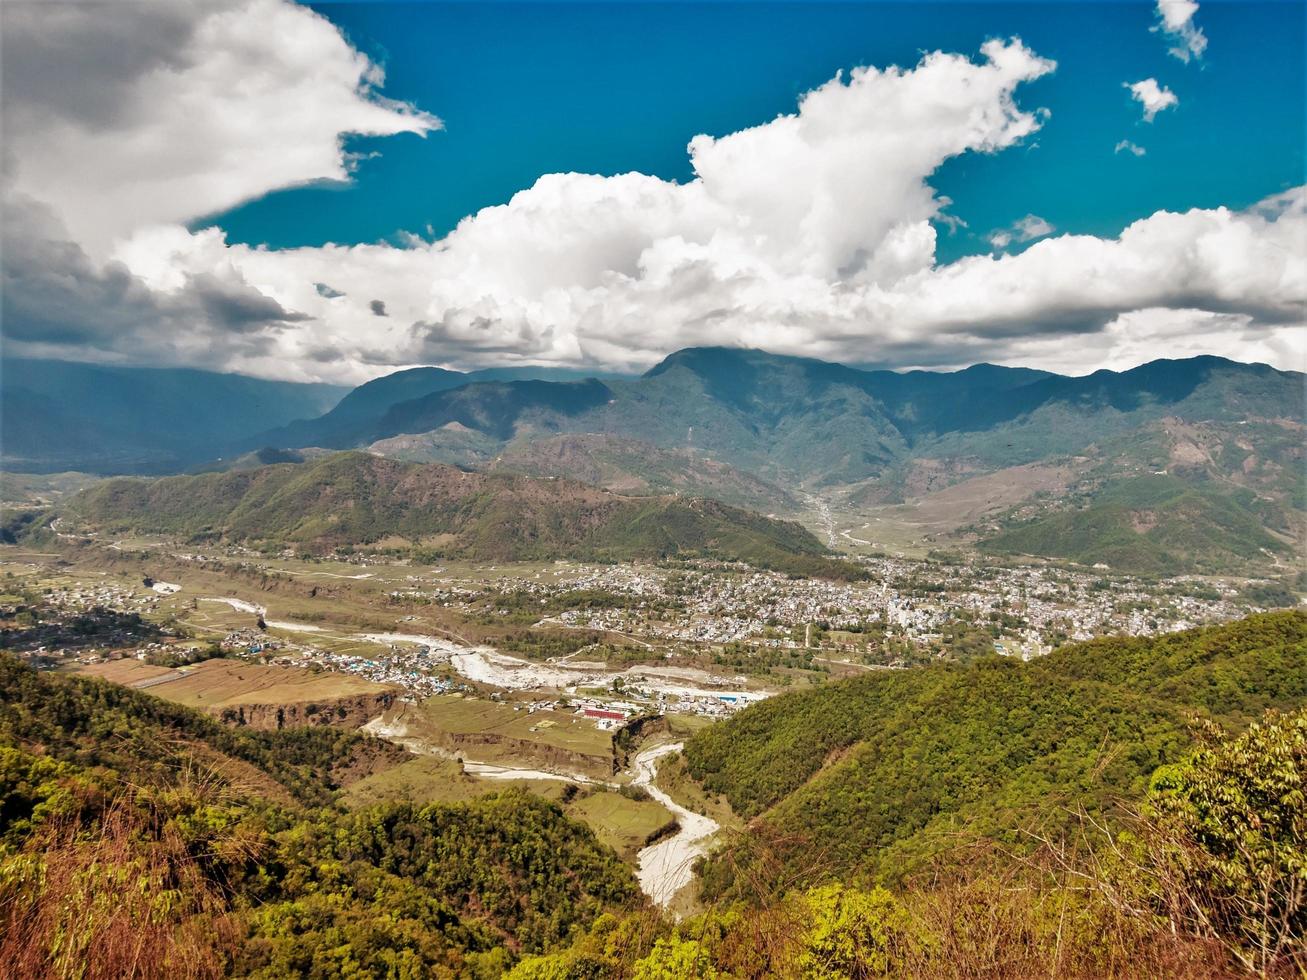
<point x="1031" y="607"/>
<point x="420" y="671"/>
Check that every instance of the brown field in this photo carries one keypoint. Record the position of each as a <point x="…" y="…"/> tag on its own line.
<point x="223" y="683"/>
<point x="931" y="520"/>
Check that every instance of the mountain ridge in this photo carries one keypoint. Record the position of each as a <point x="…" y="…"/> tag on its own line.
<point x="357" y="500"/>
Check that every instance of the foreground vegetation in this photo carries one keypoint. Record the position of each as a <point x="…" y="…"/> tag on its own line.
<point x="1204" y="880"/>
<point x="1124" y="808"/>
<point x="139" y="838"/>
<point x="870" y="778"/>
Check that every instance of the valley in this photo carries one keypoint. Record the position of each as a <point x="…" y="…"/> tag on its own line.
<point x="563" y="678"/>
<point x="731" y="648"/>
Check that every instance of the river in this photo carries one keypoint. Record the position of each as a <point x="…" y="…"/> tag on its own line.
<point x="668" y="866"/>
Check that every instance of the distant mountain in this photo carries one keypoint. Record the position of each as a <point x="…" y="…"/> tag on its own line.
<point x="733" y="424"/>
<point x="358" y="415"/>
<point x="353" y="499"/>
<point x="57" y="415"/>
<point x="803" y="422"/>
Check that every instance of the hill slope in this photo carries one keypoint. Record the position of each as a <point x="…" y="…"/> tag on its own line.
<point x="351" y="422"/>
<point x="352" y="499"/>
<point x="1152" y="525"/>
<point x="142" y="837"/>
<point x="867" y="777"/>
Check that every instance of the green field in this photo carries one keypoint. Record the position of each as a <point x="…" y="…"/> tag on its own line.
<point x="622" y="823"/>
<point x="459" y="715"/>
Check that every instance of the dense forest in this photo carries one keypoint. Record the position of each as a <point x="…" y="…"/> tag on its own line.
<point x="140" y="838"/>
<point x="877" y="774"/>
<point x="1122" y="808"/>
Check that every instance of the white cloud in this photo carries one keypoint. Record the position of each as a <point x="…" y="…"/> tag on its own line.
<point x="230" y="101"/>
<point x="1152" y="97"/>
<point x="1127" y="146"/>
<point x="1176" y="21"/>
<point x="808" y="234"/>
<point x="1025" y="229"/>
<point x="1032" y="226"/>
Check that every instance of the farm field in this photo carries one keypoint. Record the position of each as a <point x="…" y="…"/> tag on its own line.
<point x="619" y="821"/>
<point x="503" y="734"/>
<point x="220" y="683"/>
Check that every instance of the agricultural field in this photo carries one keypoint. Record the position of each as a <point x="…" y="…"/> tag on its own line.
<point x="223" y="683"/>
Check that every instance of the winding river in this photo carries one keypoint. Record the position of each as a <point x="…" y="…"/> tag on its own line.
<point x="664" y="867"/>
<point x="668" y="865"/>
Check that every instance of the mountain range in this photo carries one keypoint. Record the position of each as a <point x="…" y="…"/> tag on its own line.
<point x="783" y="435"/>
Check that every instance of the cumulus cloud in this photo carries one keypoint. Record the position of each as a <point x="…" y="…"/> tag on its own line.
<point x="812" y="233"/>
<point x="205" y="106"/>
<point x="1152" y="97"/>
<point x="129" y="116"/>
<point x="1176" y="21"/>
<point x="1128" y="146"/>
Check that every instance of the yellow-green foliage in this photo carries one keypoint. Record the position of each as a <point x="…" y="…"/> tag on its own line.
<point x="1228" y="834"/>
<point x="853" y="934"/>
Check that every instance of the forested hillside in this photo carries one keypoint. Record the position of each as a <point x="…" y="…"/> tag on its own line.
<point x="352" y="499"/>
<point x="865" y="779"/>
<point x="139" y="838"/>
<point x="1155" y="525"/>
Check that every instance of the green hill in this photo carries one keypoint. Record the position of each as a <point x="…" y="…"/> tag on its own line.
<point x="352" y="500"/>
<point x="865" y="778"/>
<point x="1153" y="525"/>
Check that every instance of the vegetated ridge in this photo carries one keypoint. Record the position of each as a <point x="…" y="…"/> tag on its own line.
<point x="877" y="773"/>
<point x="354" y="499"/>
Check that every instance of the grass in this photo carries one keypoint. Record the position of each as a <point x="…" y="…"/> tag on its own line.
<point x="623" y="824"/>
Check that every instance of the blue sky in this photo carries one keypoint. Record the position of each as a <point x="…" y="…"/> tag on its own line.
<point x="526" y="89"/>
<point x="334" y="192"/>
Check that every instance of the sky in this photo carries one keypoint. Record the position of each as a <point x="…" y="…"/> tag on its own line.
<point x="337" y="191"/>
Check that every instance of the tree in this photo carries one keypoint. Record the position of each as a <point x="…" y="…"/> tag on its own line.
<point x="853" y="935"/>
<point x="1227" y="829"/>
